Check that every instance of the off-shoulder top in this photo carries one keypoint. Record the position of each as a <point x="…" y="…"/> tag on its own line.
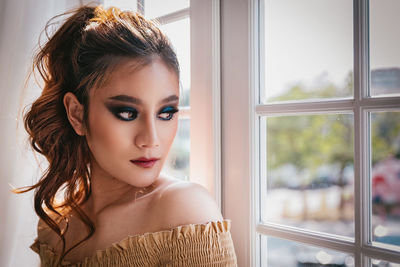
<point x="207" y="244"/>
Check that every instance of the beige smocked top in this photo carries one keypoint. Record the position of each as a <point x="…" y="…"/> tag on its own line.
<point x="207" y="244"/>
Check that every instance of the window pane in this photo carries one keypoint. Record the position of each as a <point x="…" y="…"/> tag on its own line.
<point x="157" y="8"/>
<point x="384" y="47"/>
<point x="308" y="49"/>
<point x="385" y="175"/>
<point x="122" y="4"/>
<point x="382" y="263"/>
<point x="177" y="163"/>
<point x="309" y="172"/>
<point x="276" y="252"/>
<point x="179" y="34"/>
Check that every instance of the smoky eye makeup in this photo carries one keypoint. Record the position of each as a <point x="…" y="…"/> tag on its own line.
<point x="167" y="113"/>
<point x="123" y="112"/>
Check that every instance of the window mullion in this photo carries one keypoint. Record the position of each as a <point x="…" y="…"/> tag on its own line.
<point x="256" y="129"/>
<point x="316" y="239"/>
<point x="328" y="106"/>
<point x="380" y="253"/>
<point x="361" y="83"/>
<point x="325" y="106"/>
<point x="380" y="102"/>
<point x="361" y="184"/>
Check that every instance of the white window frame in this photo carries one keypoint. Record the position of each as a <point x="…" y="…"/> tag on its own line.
<point x="205" y="96"/>
<point x="238" y="77"/>
<point x="241" y="52"/>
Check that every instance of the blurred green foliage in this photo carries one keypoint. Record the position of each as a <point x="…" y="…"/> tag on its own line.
<point x="310" y="141"/>
<point x="385" y="135"/>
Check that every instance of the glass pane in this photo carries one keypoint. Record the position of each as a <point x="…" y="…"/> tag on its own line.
<point x="177" y="163"/>
<point x="276" y="252"/>
<point x="384" y="47"/>
<point x="308" y="49"/>
<point x="382" y="263"/>
<point x="122" y="4"/>
<point x="310" y="173"/>
<point x="385" y="173"/>
<point x="179" y="34"/>
<point x="157" y="8"/>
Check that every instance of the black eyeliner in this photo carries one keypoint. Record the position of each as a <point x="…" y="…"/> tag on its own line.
<point x="116" y="110"/>
<point x="171" y="110"/>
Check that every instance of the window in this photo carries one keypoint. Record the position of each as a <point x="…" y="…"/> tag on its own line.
<point x="311" y="171"/>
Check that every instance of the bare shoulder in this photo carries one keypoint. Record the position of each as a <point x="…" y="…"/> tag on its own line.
<point x="182" y="203"/>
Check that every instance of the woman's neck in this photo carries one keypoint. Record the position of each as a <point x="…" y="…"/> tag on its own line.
<point x="108" y="191"/>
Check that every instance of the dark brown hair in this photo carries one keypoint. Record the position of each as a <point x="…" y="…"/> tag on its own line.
<point x="78" y="57"/>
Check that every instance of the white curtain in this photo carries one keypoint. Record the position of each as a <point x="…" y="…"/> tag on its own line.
<point x="21" y="22"/>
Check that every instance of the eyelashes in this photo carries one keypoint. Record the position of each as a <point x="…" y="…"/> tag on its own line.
<point x="125" y="114"/>
<point x="130" y="114"/>
<point x="167" y="113"/>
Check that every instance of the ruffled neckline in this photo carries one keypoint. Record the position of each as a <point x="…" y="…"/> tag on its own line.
<point x="182" y="231"/>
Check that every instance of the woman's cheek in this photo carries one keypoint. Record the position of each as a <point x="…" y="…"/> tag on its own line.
<point x="117" y="136"/>
<point x="107" y="134"/>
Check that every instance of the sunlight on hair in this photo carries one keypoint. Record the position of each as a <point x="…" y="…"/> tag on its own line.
<point x="102" y="15"/>
<point x="130" y="5"/>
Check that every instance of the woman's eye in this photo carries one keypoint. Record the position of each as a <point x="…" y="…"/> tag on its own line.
<point x="168" y="113"/>
<point x="126" y="114"/>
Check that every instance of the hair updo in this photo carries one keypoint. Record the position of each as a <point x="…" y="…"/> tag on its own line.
<point x="80" y="56"/>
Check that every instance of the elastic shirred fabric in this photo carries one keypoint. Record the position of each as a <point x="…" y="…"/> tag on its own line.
<point x="207" y="244"/>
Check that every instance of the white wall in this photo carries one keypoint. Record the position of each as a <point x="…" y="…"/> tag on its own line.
<point x="21" y="22"/>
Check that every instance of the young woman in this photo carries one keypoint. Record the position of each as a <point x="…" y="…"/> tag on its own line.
<point x="105" y="122"/>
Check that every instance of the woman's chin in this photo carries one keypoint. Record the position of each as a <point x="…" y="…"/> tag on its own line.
<point x="144" y="180"/>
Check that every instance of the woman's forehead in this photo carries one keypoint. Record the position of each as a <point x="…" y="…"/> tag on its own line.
<point x="154" y="79"/>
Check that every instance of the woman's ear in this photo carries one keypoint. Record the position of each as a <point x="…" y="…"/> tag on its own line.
<point x="74" y="111"/>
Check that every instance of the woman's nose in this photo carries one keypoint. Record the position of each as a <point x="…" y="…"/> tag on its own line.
<point x="147" y="135"/>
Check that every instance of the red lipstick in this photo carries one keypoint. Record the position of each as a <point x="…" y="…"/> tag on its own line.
<point x="145" y="162"/>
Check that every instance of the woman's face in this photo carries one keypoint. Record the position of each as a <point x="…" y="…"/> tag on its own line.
<point x="132" y="119"/>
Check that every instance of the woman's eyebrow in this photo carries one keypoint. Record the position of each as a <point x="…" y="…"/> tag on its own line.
<point x="134" y="100"/>
<point x="126" y="98"/>
<point x="171" y="98"/>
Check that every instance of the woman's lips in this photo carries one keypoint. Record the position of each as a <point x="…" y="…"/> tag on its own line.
<point x="145" y="163"/>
